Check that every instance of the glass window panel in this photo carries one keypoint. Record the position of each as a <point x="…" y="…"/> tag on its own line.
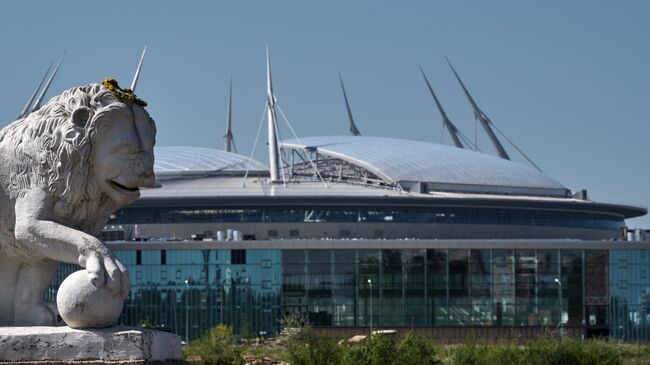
<point x="415" y="312"/>
<point x="293" y="256"/>
<point x="481" y="287"/>
<point x="572" y="286"/>
<point x="368" y="292"/>
<point x="503" y="287"/>
<point x="459" y="306"/>
<point x="437" y="282"/>
<point x="319" y="256"/>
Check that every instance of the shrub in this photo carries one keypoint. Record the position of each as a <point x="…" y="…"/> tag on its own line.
<point x="376" y="350"/>
<point x="292" y="325"/>
<point x="509" y="354"/>
<point x="474" y="354"/>
<point x="355" y="355"/>
<point x="308" y="348"/>
<point x="602" y="352"/>
<point x="216" y="347"/>
<point x="571" y="351"/>
<point x="469" y="354"/>
<point x="416" y="350"/>
<point x="381" y="350"/>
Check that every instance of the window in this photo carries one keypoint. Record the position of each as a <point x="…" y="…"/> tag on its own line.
<point x="294" y="233"/>
<point x="272" y="233"/>
<point x="138" y="257"/>
<point x="163" y="257"/>
<point x="238" y="257"/>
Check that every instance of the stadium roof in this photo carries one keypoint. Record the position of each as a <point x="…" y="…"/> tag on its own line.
<point x="439" y="166"/>
<point x="181" y="160"/>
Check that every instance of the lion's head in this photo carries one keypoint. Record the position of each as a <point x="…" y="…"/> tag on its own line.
<point x="86" y="147"/>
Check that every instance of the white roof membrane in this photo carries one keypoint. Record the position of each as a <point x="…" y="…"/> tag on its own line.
<point x="200" y="159"/>
<point x="442" y="166"/>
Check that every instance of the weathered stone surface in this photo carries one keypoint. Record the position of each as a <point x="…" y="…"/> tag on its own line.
<point x="65" y="169"/>
<point x="64" y="344"/>
<point x="83" y="305"/>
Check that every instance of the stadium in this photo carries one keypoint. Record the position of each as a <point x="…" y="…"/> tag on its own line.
<point x="360" y="233"/>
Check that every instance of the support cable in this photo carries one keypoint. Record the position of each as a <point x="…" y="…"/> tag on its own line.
<point x="286" y="120"/>
<point x="257" y="137"/>
<point x="468" y="142"/>
<point x="475" y="133"/>
<point x="517" y="148"/>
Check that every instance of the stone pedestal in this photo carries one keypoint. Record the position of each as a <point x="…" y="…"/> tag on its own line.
<point x="67" y="345"/>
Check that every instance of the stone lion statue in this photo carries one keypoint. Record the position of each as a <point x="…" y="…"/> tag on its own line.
<point x="64" y="170"/>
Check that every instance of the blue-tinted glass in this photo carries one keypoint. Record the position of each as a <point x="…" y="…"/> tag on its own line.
<point x="630" y="294"/>
<point x="503" y="287"/>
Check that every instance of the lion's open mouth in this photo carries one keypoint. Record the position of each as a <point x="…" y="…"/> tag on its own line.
<point x="119" y="186"/>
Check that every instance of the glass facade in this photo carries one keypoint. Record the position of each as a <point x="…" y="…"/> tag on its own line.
<point x="189" y="291"/>
<point x="441" y="215"/>
<point x="630" y="294"/>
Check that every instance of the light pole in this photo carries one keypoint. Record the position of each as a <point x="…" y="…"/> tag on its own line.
<point x="187" y="311"/>
<point x="370" y="283"/>
<point x="559" y="288"/>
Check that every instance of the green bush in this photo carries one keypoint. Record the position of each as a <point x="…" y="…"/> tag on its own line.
<point x="215" y="347"/>
<point x="416" y="350"/>
<point x="601" y="352"/>
<point x="544" y="351"/>
<point x="376" y="350"/>
<point x="355" y="355"/>
<point x="469" y="354"/>
<point x="571" y="351"/>
<point x="509" y="354"/>
<point x="307" y="348"/>
<point x="381" y="350"/>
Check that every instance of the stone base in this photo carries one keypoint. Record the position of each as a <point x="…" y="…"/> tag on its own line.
<point x="67" y="345"/>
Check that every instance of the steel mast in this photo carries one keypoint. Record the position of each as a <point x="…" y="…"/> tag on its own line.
<point x="453" y="131"/>
<point x="137" y="71"/>
<point x="485" y="121"/>
<point x="25" y="110"/>
<point x="353" y="127"/>
<point x="39" y="100"/>
<point x="274" y="153"/>
<point x="228" y="136"/>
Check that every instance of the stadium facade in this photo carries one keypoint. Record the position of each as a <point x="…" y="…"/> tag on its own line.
<point x="475" y="253"/>
<point x="359" y="233"/>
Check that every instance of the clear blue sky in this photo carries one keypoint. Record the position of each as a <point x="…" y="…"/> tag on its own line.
<point x="568" y="81"/>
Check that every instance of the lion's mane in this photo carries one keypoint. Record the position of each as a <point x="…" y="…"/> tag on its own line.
<point x="46" y="150"/>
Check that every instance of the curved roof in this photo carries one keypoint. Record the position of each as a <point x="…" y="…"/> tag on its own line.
<point x="179" y="159"/>
<point x="448" y="168"/>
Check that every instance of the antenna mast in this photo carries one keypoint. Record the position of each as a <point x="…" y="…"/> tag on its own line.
<point x="228" y="136"/>
<point x="274" y="153"/>
<point x="353" y="127"/>
<point x="453" y="131"/>
<point x="137" y="71"/>
<point x="485" y="121"/>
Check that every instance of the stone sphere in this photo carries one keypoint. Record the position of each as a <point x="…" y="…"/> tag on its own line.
<point x="82" y="305"/>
